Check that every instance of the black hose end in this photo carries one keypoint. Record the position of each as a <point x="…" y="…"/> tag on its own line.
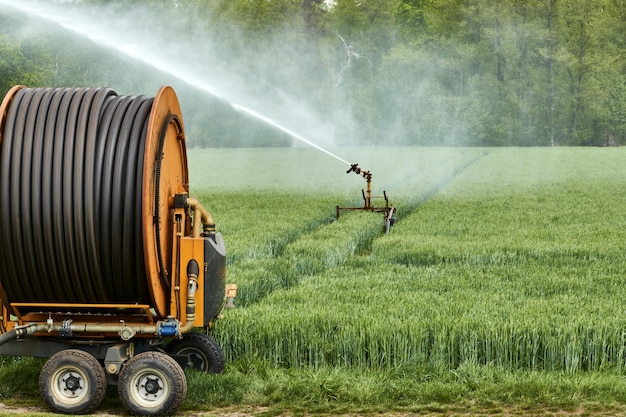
<point x="9" y="336"/>
<point x="193" y="268"/>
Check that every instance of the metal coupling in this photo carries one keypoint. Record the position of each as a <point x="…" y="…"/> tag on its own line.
<point x="168" y="328"/>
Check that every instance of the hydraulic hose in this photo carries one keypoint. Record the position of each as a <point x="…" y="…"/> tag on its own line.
<point x="193" y="270"/>
<point x="8" y="336"/>
<point x="17" y="333"/>
<point x="171" y="118"/>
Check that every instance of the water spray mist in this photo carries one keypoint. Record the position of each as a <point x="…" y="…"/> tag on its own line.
<point x="275" y="124"/>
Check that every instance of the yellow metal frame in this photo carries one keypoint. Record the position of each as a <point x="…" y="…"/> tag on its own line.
<point x="186" y="248"/>
<point x="99" y="307"/>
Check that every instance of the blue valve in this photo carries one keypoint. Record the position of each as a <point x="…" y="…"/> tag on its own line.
<point x="168" y="328"/>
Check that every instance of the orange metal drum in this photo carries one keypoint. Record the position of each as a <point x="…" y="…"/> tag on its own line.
<point x="165" y="145"/>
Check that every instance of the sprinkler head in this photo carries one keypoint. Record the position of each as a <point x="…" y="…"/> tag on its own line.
<point x="355" y="168"/>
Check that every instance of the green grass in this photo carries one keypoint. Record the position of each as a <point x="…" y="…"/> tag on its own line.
<point x="499" y="291"/>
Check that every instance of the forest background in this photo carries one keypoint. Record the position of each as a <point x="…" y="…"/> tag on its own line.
<point x="363" y="72"/>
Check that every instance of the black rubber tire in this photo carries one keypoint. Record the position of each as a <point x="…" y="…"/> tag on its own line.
<point x="72" y="382"/>
<point x="152" y="384"/>
<point x="201" y="351"/>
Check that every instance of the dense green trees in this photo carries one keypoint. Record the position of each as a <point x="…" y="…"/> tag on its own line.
<point x="433" y="72"/>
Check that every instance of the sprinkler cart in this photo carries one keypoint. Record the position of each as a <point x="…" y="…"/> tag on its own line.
<point x="387" y="210"/>
<point x="108" y="267"/>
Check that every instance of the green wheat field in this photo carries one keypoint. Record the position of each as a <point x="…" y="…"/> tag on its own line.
<point x="510" y="258"/>
<point x="500" y="289"/>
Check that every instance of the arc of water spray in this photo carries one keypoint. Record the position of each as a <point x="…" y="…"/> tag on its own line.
<point x="128" y="50"/>
<point x="238" y="107"/>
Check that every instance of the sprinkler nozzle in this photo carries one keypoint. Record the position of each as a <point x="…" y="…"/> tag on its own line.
<point x="355" y="168"/>
<point x="366" y="174"/>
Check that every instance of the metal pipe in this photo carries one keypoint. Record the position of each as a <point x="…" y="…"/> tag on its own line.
<point x="200" y="214"/>
<point x="126" y="332"/>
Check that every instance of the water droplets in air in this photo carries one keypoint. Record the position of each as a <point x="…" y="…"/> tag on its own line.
<point x="166" y="59"/>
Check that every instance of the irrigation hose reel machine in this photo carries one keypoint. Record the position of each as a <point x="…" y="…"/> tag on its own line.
<point x="108" y="267"/>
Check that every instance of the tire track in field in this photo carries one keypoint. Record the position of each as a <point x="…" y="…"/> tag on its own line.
<point x="412" y="204"/>
<point x="439" y="183"/>
<point x="317" y="248"/>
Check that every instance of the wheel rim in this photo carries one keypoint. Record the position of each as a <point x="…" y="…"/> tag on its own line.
<point x="70" y="385"/>
<point x="149" y="388"/>
<point x="195" y="358"/>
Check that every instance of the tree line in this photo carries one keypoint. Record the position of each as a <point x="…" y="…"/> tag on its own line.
<point x="398" y="72"/>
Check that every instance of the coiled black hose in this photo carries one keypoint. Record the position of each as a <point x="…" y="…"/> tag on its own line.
<point x="71" y="166"/>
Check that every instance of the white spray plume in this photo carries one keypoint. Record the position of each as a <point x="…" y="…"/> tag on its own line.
<point x="109" y="28"/>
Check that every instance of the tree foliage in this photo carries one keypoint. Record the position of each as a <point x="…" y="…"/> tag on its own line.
<point x="406" y="72"/>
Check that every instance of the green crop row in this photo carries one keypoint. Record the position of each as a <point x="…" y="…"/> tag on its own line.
<point x="259" y="225"/>
<point x="275" y="237"/>
<point x="368" y="315"/>
<point x="512" y="258"/>
<point x="323" y="248"/>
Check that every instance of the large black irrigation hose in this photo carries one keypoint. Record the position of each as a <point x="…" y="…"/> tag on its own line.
<point x="71" y="164"/>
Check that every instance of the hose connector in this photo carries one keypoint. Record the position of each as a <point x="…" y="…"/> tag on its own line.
<point x="18" y="332"/>
<point x="168" y="328"/>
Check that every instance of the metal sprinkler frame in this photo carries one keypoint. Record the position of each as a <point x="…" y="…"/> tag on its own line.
<point x="388" y="210"/>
